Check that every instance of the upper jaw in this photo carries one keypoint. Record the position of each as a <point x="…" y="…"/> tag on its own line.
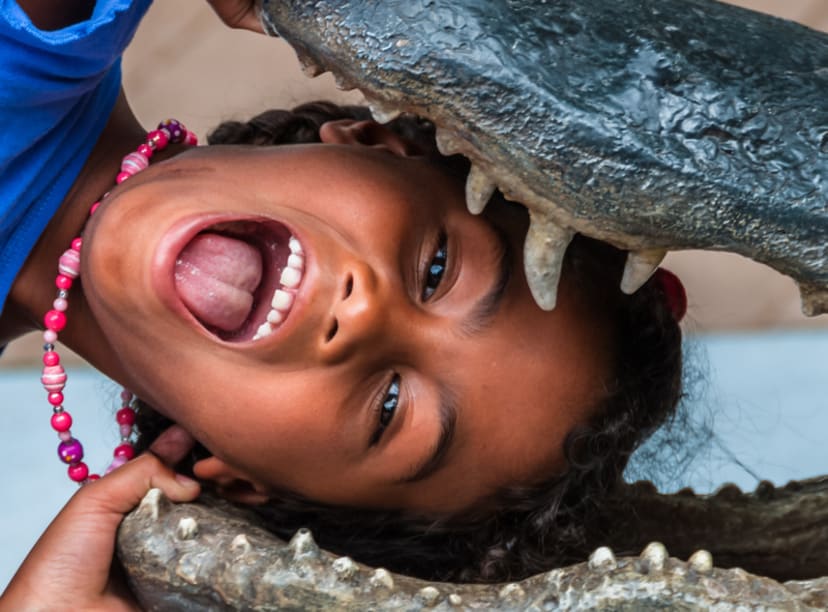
<point x="280" y="296"/>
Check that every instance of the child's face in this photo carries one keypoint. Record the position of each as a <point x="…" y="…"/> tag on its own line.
<point x="298" y="409"/>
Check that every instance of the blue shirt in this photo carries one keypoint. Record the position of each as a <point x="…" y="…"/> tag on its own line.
<point x="57" y="90"/>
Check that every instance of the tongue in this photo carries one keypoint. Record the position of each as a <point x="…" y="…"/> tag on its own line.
<point x="215" y="276"/>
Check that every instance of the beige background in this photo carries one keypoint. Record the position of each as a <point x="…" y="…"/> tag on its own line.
<point x="184" y="63"/>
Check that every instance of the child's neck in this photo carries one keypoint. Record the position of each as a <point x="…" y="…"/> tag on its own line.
<point x="33" y="290"/>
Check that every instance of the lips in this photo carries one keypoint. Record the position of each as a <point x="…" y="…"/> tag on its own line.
<point x="239" y="279"/>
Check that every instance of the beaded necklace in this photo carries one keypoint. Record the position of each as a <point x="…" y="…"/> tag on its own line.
<point x="70" y="450"/>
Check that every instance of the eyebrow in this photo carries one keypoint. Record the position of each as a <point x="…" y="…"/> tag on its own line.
<point x="480" y="316"/>
<point x="437" y="457"/>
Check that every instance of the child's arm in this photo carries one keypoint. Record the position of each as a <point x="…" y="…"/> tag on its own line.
<point x="70" y="566"/>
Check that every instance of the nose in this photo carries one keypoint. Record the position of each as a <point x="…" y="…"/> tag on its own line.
<point x="357" y="314"/>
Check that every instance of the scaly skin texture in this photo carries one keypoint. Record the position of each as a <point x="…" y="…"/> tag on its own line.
<point x="650" y="124"/>
<point x="210" y="556"/>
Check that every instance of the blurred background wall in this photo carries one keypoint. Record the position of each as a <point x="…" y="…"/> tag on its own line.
<point x="184" y="63"/>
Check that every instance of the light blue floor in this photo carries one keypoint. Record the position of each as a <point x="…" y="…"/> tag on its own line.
<point x="767" y="395"/>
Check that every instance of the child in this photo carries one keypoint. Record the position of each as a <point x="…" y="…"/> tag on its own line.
<point x="330" y="323"/>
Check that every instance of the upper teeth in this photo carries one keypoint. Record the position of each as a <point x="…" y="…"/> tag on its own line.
<point x="283" y="297"/>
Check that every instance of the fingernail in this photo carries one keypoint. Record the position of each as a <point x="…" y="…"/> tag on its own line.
<point x="185" y="481"/>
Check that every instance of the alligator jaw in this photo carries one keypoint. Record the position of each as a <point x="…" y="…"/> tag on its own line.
<point x="603" y="119"/>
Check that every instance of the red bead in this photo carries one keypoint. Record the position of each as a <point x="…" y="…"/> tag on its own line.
<point x="55" y="398"/>
<point x="93" y="477"/>
<point x="145" y="150"/>
<point x="63" y="282"/>
<point x="122" y="176"/>
<point x="124" y="450"/>
<point x="55" y="320"/>
<point x="94" y="208"/>
<point x="62" y="421"/>
<point x="158" y="138"/>
<point x="125" y="416"/>
<point x="76" y="243"/>
<point x="190" y="139"/>
<point x="78" y="471"/>
<point x="51" y="358"/>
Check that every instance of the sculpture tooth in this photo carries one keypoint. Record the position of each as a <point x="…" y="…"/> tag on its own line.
<point x="429" y="595"/>
<point x="543" y="255"/>
<point x="701" y="561"/>
<point x="602" y="559"/>
<point x="447" y="142"/>
<point x="187" y="528"/>
<point x="381" y="578"/>
<point x="241" y="545"/>
<point x="479" y="190"/>
<point x="728" y="491"/>
<point x="512" y="593"/>
<point x="344" y="567"/>
<point x="639" y="268"/>
<point x="383" y="113"/>
<point x="344" y="83"/>
<point x="455" y="599"/>
<point x="154" y="504"/>
<point x="765" y="490"/>
<point x="814" y="300"/>
<point x="303" y="545"/>
<point x="655" y="556"/>
<point x="309" y="67"/>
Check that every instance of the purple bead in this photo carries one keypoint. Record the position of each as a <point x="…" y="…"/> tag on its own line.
<point x="174" y="129"/>
<point x="70" y="451"/>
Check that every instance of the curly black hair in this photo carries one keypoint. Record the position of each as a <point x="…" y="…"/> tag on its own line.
<point x="520" y="530"/>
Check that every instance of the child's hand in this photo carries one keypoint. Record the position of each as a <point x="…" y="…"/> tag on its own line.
<point x="70" y="566"/>
<point x="238" y="14"/>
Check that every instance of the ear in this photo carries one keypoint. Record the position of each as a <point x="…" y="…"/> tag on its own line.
<point x="367" y="133"/>
<point x="230" y="483"/>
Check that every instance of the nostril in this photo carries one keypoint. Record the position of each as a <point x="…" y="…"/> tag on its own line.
<point x="349" y="286"/>
<point x="332" y="331"/>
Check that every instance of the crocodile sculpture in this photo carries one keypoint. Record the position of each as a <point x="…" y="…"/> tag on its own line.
<point x="650" y="124"/>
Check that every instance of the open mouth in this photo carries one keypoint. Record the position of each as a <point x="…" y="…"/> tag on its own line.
<point x="239" y="279"/>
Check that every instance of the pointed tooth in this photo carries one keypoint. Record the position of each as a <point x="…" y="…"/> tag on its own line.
<point x="381" y="578"/>
<point x="154" y="504"/>
<point x="602" y="558"/>
<point x="282" y="300"/>
<point x="295" y="246"/>
<point x="479" y="190"/>
<point x="187" y="528"/>
<point x="291" y="277"/>
<point x="309" y="67"/>
<point x="296" y="262"/>
<point x="345" y="567"/>
<point x="383" y="113"/>
<point x="303" y="545"/>
<point x="655" y="556"/>
<point x="701" y="561"/>
<point x="543" y="256"/>
<point x="343" y="82"/>
<point x="447" y="142"/>
<point x="639" y="268"/>
<point x="814" y="299"/>
<point x="241" y="545"/>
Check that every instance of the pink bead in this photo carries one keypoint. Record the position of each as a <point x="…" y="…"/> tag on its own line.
<point x="78" y="472"/>
<point x="116" y="463"/>
<point x="60" y="304"/>
<point x="93" y="208"/>
<point x="55" y="320"/>
<point x="62" y="421"/>
<point x="49" y="336"/>
<point x="134" y="163"/>
<point x="190" y="139"/>
<point x="51" y="358"/>
<point x="125" y="430"/>
<point x="77" y="243"/>
<point x="125" y="416"/>
<point x="55" y="398"/>
<point x="65" y="436"/>
<point x="69" y="263"/>
<point x="63" y="282"/>
<point x="126" y="396"/>
<point x="53" y="378"/>
<point x="145" y="150"/>
<point x="124" y="450"/>
<point x="158" y="139"/>
<point x="122" y="176"/>
<point x="94" y="477"/>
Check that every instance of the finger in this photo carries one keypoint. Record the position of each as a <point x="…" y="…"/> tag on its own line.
<point x="172" y="445"/>
<point x="120" y="491"/>
<point x="240" y="14"/>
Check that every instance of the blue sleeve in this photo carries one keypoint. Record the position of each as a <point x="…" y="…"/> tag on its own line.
<point x="57" y="90"/>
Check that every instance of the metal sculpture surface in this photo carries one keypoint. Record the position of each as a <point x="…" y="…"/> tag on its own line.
<point x="653" y="125"/>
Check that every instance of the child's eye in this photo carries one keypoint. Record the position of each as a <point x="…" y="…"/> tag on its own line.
<point x="387" y="408"/>
<point x="436" y="268"/>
